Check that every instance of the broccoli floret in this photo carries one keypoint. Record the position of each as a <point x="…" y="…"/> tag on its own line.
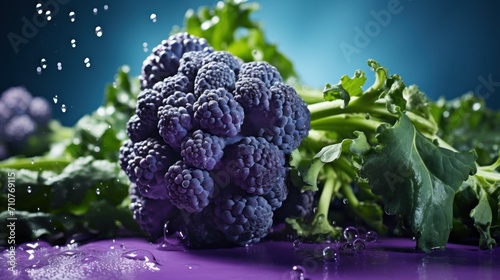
<point x="148" y="102"/>
<point x="254" y="164"/>
<point x="138" y="130"/>
<point x="233" y="62"/>
<point x="174" y="124"/>
<point x="170" y="85"/>
<point x="262" y="71"/>
<point x="214" y="75"/>
<point x="218" y="113"/>
<point x="202" y="150"/>
<point x="164" y="60"/>
<point x="147" y="168"/>
<point x="188" y="188"/>
<point x="150" y="214"/>
<point x="229" y="126"/>
<point x="19" y="128"/>
<point x="189" y="65"/>
<point x="298" y="204"/>
<point x="40" y="110"/>
<point x="244" y="219"/>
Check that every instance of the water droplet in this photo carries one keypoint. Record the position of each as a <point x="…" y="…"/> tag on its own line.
<point x="38" y="209"/>
<point x="32" y="162"/>
<point x="73" y="43"/>
<point x="106" y="7"/>
<point x="95" y="11"/>
<point x="48" y="15"/>
<point x="330" y="254"/>
<point x="89" y="259"/>
<point x="87" y="62"/>
<point x="358" y="244"/>
<point x="296" y="244"/>
<point x="63" y="108"/>
<point x="69" y="253"/>
<point x="39" y="9"/>
<point x="152" y="17"/>
<point x="59" y="66"/>
<point x="55" y="99"/>
<point x="98" y="191"/>
<point x="345" y="201"/>
<point x="28" y="189"/>
<point x="43" y="63"/>
<point x="145" y="47"/>
<point x="298" y="273"/>
<point x="350" y="233"/>
<point x="98" y="31"/>
<point x="476" y="106"/>
<point x="371" y="237"/>
<point x="446" y="114"/>
<point x="71" y="16"/>
<point x="139" y="255"/>
<point x="192" y="266"/>
<point x="315" y="210"/>
<point x="39" y="70"/>
<point x="320" y="219"/>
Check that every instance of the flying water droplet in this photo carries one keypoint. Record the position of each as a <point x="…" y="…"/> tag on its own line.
<point x="98" y="191"/>
<point x="98" y="31"/>
<point x="95" y="11"/>
<point x="39" y="9"/>
<point x="48" y="15"/>
<point x="63" y="108"/>
<point x="152" y="17"/>
<point x="73" y="43"/>
<point x="350" y="233"/>
<point x="330" y="254"/>
<point x="145" y="47"/>
<point x="28" y="189"/>
<point x="55" y="99"/>
<point x="476" y="106"/>
<point x="345" y="201"/>
<point x="106" y="7"/>
<point x="59" y="66"/>
<point x="39" y="70"/>
<point x="87" y="62"/>
<point x="32" y="162"/>
<point x="71" y="16"/>
<point x="139" y="255"/>
<point x="43" y="63"/>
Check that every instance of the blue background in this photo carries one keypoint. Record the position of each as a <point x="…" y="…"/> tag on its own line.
<point x="446" y="49"/>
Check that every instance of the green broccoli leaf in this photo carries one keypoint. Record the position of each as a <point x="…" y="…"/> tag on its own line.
<point x="346" y="88"/>
<point x="417" y="180"/>
<point x="483" y="218"/>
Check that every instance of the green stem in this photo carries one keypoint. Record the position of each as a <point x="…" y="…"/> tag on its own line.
<point x="327" y="193"/>
<point x="349" y="122"/>
<point x="36" y="163"/>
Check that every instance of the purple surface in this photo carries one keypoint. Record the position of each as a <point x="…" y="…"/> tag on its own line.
<point x="139" y="259"/>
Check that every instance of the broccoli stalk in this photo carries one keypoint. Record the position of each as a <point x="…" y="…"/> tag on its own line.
<point x="356" y="151"/>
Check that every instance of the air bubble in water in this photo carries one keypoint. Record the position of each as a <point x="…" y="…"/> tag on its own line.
<point x="371" y="237"/>
<point x="350" y="233"/>
<point x="98" y="31"/>
<point x="48" y="14"/>
<point x="43" y="63"/>
<point x="145" y="47"/>
<point x="152" y="17"/>
<point x="59" y="66"/>
<point x="87" y="62"/>
<point x="330" y="254"/>
<point x="72" y="16"/>
<point x="95" y="11"/>
<point x="358" y="244"/>
<point x="39" y="9"/>
<point x="73" y="43"/>
<point x="55" y="99"/>
<point x="63" y="108"/>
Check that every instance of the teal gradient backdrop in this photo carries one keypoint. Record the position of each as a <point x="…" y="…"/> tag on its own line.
<point x="447" y="49"/>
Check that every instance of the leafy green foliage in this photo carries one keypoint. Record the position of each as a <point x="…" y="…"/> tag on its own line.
<point x="78" y="186"/>
<point x="229" y="26"/>
<point x="417" y="180"/>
